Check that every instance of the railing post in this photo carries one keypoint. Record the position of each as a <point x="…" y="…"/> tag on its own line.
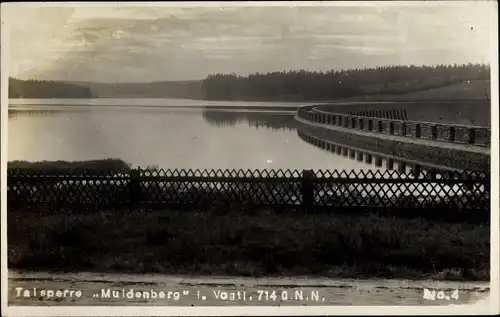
<point x="359" y="156"/>
<point x="352" y="153"/>
<point x="434" y="132"/>
<point x="368" y="158"/>
<point x="345" y="151"/>
<point x="307" y="188"/>
<point x="135" y="185"/>
<point x="391" y="127"/>
<point x="402" y="167"/>
<point x="471" y="136"/>
<point x="416" y="170"/>
<point x="452" y="134"/>
<point x="418" y="130"/>
<point x="390" y="164"/>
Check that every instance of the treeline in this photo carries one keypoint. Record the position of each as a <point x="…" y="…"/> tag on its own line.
<point x="46" y="89"/>
<point x="312" y="85"/>
<point x="165" y="89"/>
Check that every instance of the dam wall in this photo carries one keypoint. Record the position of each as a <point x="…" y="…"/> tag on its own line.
<point x="473" y="113"/>
<point x="435" y="146"/>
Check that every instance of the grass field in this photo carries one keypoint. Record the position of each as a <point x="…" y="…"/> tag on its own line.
<point x="218" y="241"/>
<point x="469" y="90"/>
<point x="472" y="90"/>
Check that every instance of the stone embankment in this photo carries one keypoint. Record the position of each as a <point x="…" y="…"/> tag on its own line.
<point x="434" y="146"/>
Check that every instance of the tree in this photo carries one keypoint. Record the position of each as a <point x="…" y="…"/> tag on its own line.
<point x="311" y="85"/>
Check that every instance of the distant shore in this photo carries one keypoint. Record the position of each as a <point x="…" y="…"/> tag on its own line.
<point x="398" y="82"/>
<point x="382" y="98"/>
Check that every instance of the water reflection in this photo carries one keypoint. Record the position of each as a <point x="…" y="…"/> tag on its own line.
<point x="57" y="127"/>
<point x="378" y="161"/>
<point x="15" y="113"/>
<point x="166" y="137"/>
<point x="170" y="135"/>
<point x="273" y="120"/>
<point x="215" y="116"/>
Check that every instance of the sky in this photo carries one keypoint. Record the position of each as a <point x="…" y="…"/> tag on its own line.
<point x="143" y="43"/>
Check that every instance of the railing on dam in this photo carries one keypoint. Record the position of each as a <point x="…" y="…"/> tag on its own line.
<point x="449" y="193"/>
<point x="478" y="136"/>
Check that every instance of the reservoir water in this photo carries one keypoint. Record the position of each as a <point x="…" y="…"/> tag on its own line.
<point x="168" y="133"/>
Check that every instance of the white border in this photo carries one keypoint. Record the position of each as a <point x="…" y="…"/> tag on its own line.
<point x="4" y="82"/>
<point x="481" y="308"/>
<point x="495" y="166"/>
<point x="249" y="311"/>
<point x="215" y="4"/>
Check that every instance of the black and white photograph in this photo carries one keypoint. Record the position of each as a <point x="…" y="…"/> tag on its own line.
<point x="255" y="158"/>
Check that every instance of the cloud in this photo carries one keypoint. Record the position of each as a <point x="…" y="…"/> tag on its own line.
<point x="175" y="43"/>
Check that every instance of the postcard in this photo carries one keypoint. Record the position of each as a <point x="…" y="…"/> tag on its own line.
<point x="249" y="158"/>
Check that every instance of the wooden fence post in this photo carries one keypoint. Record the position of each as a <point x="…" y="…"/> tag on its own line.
<point x="469" y="181"/>
<point x="135" y="185"/>
<point x="307" y="188"/>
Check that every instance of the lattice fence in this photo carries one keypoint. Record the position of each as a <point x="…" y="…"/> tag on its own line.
<point x="389" y="190"/>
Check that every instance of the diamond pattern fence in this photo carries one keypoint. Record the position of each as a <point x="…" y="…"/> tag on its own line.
<point x="465" y="193"/>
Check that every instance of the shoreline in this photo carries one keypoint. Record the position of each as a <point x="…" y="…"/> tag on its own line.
<point x="229" y="280"/>
<point x="364" y="99"/>
<point x="339" y="273"/>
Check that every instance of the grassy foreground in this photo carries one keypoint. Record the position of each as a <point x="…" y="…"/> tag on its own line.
<point x="237" y="243"/>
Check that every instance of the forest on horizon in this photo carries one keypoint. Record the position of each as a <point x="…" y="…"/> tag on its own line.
<point x="292" y="85"/>
<point x="32" y="88"/>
